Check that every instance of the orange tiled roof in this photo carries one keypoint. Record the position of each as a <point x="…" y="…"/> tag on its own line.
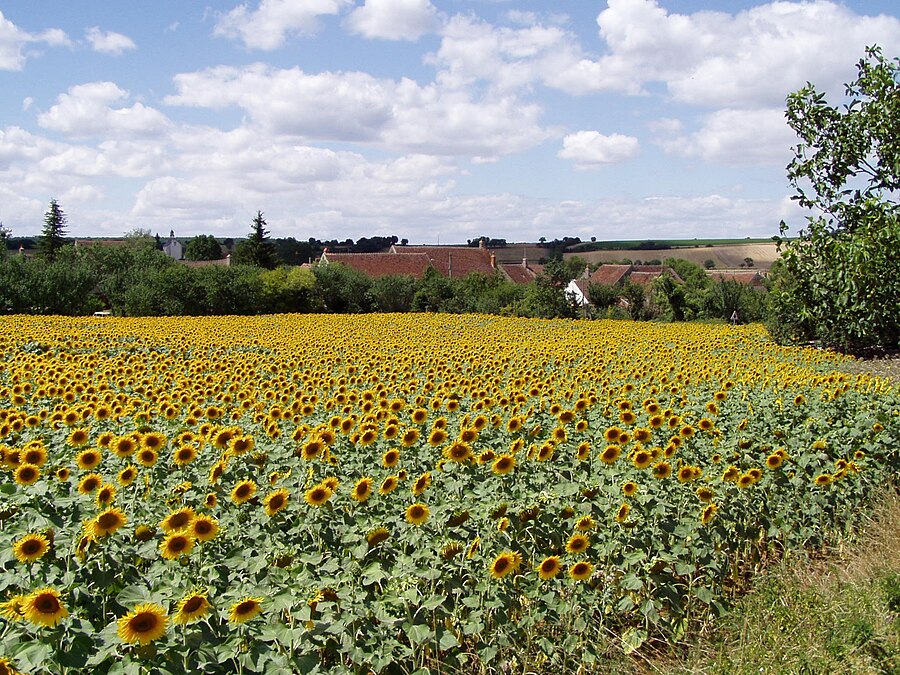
<point x="452" y="261"/>
<point x="377" y="265"/>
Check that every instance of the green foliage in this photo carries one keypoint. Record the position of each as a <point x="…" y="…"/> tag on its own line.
<point x="287" y="289"/>
<point x="53" y="234"/>
<point x="203" y="247"/>
<point x="257" y="250"/>
<point x="342" y="289"/>
<point x="840" y="281"/>
<point x="392" y="293"/>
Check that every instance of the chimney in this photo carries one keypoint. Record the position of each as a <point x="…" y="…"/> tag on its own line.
<point x="449" y="264"/>
<point x="481" y="242"/>
<point x="493" y="261"/>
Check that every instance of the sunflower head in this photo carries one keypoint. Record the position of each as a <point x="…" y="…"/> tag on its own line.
<point x="144" y="624"/>
<point x="549" y="567"/>
<point x="244" y="610"/>
<point x="44" y="607"/>
<point x="31" y="547"/>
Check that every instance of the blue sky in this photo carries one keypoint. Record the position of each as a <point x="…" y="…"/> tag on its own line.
<point x="434" y="120"/>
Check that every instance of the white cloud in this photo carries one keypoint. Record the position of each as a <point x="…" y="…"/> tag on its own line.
<point x="749" y="59"/>
<point x="738" y="138"/>
<point x="354" y="106"/>
<point x="108" y="42"/>
<point x="591" y="149"/>
<point x="266" y="27"/>
<point x="393" y="19"/>
<point x="507" y="58"/>
<point x="13" y="40"/>
<point x="86" y="109"/>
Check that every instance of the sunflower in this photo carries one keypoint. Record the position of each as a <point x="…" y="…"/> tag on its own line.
<point x="107" y="522"/>
<point x="154" y="440"/>
<point x="144" y="624"/>
<point x="105" y="495"/>
<point x="124" y="446"/>
<point x="545" y="452"/>
<point x="419" y="415"/>
<point x="388" y="485"/>
<point x="458" y="451"/>
<point x="390" y="458"/>
<point x="89" y="483"/>
<point x="774" y="461"/>
<point x="43" y="607"/>
<point x="421" y="484"/>
<point x="147" y="457"/>
<point x="745" y="480"/>
<point x="176" y="544"/>
<point x="503" y="464"/>
<point x="731" y="474"/>
<point x="585" y="524"/>
<point x="312" y="449"/>
<point x="27" y="474"/>
<point x="31" y="547"/>
<point x="505" y="563"/>
<point x="362" y="490"/>
<point x="685" y="473"/>
<point x="63" y="474"/>
<point x="192" y="607"/>
<point x="622" y="513"/>
<point x="184" y="455"/>
<point x="177" y="520"/>
<point x="612" y="434"/>
<point x="451" y="550"/>
<point x="127" y="475"/>
<point x="581" y="570"/>
<point x="243" y="491"/>
<point x="705" y="494"/>
<point x="275" y="501"/>
<point x="244" y="610"/>
<point x="755" y="473"/>
<point x="549" y="567"/>
<point x="642" y="459"/>
<point x="88" y="459"/>
<point x="824" y="479"/>
<point x="629" y="488"/>
<point x="318" y="495"/>
<point x="417" y="514"/>
<point x="409" y="437"/>
<point x="578" y="543"/>
<point x="377" y="536"/>
<point x="13" y="608"/>
<point x="708" y="513"/>
<point x="611" y="454"/>
<point x="78" y="437"/>
<point x="436" y="437"/>
<point x="204" y="528"/>
<point x="36" y="455"/>
<point x="583" y="451"/>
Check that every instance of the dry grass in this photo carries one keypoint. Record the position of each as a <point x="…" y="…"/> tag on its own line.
<point x="836" y="612"/>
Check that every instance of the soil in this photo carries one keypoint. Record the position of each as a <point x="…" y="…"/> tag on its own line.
<point x="883" y="365"/>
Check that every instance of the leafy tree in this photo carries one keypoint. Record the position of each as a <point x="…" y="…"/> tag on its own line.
<point x="342" y="289"/>
<point x="287" y="290"/>
<point x="203" y="247"/>
<point x="840" y="278"/>
<point x="392" y="293"/>
<point x="257" y="250"/>
<point x="53" y="234"/>
<point x="4" y="236"/>
<point x="292" y="252"/>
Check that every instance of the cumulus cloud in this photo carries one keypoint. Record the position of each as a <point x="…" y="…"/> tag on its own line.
<point x="87" y="109"/>
<point x="737" y="138"/>
<point x="393" y="19"/>
<point x="591" y="149"/>
<point x="108" y="42"/>
<point x="354" y="106"/>
<point x="13" y="40"/>
<point x="749" y="59"/>
<point x="267" y="26"/>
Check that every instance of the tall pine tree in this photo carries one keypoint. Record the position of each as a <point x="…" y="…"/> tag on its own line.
<point x="258" y="249"/>
<point x="53" y="234"/>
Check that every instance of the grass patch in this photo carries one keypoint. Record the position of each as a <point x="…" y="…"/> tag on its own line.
<point x="838" y="612"/>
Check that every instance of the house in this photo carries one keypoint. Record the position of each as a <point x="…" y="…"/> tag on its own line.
<point x="173" y="248"/>
<point x="453" y="261"/>
<point x="377" y="265"/>
<point x="616" y="276"/>
<point x="748" y="278"/>
<point x="521" y="273"/>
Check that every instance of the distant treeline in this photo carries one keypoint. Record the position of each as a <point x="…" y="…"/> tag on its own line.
<point x="136" y="279"/>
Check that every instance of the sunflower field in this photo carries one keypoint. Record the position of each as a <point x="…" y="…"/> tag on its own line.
<point x="393" y="493"/>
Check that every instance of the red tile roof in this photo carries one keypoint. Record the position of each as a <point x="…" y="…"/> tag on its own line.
<point x="453" y="261"/>
<point x="376" y="265"/>
<point x="521" y="274"/>
<point x="610" y="275"/>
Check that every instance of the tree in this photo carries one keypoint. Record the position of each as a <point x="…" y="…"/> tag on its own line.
<point x="4" y="235"/>
<point x="257" y="250"/>
<point x="203" y="247"/>
<point x="53" y="234"/>
<point x="839" y="283"/>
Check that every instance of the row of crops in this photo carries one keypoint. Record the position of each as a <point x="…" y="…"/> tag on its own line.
<point x="393" y="493"/>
